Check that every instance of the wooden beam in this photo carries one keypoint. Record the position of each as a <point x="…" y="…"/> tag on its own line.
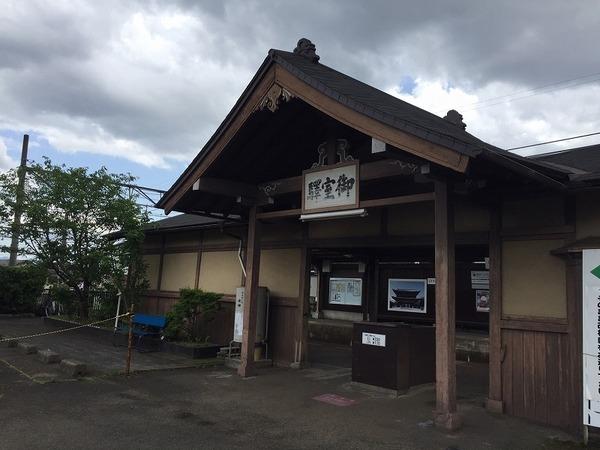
<point x="246" y="367"/>
<point x="369" y="171"/>
<point x="494" y="401"/>
<point x="161" y="261"/>
<point x="446" y="415"/>
<point x="398" y="200"/>
<point x="375" y="203"/>
<point x="226" y="187"/>
<point x="243" y="192"/>
<point x="280" y="214"/>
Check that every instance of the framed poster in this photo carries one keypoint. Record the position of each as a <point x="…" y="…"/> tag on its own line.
<point x="407" y="295"/>
<point x="345" y="291"/>
<point x="330" y="188"/>
<point x="482" y="300"/>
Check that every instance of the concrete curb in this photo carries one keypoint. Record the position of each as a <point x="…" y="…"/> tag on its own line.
<point x="27" y="348"/>
<point x="48" y="356"/>
<point x="73" y="368"/>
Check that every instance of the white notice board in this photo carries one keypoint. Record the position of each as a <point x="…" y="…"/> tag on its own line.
<point x="591" y="337"/>
<point x="345" y="291"/>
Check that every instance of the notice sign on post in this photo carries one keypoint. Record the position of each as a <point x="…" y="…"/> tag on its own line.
<point x="591" y="337"/>
<point x="377" y="340"/>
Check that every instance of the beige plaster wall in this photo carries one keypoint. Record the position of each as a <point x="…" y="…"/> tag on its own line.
<point x="280" y="271"/>
<point x="411" y="219"/>
<point x="533" y="212"/>
<point x="588" y="214"/>
<point x="179" y="271"/>
<point x="152" y="265"/>
<point x="220" y="272"/>
<point x="337" y="228"/>
<point x="533" y="281"/>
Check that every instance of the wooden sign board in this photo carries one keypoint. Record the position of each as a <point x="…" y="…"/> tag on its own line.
<point x="330" y="188"/>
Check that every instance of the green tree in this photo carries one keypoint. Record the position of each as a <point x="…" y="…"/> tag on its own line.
<point x="70" y="217"/>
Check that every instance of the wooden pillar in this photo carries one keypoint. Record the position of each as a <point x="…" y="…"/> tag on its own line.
<point x="250" y="295"/>
<point x="494" y="402"/>
<point x="445" y="358"/>
<point x="303" y="311"/>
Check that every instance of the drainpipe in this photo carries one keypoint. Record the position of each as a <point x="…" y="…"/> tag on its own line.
<point x="241" y="261"/>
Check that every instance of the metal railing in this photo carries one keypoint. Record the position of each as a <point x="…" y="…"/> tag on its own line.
<point x="64" y="302"/>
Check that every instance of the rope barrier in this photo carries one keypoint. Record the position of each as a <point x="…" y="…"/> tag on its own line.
<point x="64" y="329"/>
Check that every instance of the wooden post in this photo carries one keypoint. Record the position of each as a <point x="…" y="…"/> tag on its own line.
<point x="303" y="311"/>
<point x="445" y="358"/>
<point x="494" y="402"/>
<point x="14" y="243"/>
<point x="246" y="367"/>
<point x="129" y="342"/>
<point x="331" y="156"/>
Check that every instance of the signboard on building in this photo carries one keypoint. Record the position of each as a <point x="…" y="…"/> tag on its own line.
<point x="480" y="279"/>
<point x="406" y="295"/>
<point x="591" y="337"/>
<point x="377" y="340"/>
<point x="345" y="291"/>
<point x="482" y="300"/>
<point x="330" y="188"/>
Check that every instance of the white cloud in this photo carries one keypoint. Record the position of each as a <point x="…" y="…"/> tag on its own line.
<point x="6" y="162"/>
<point x="151" y="81"/>
<point x="511" y="123"/>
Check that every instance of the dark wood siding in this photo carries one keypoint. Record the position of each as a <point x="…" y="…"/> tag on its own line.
<point x="537" y="384"/>
<point x="282" y="323"/>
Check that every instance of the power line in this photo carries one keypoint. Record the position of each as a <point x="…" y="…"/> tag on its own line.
<point x="552" y="142"/>
<point x="543" y="89"/>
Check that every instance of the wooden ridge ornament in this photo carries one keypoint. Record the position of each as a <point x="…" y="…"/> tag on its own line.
<point x="274" y="97"/>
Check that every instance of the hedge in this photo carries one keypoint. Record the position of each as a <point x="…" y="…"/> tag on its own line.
<point x="22" y="286"/>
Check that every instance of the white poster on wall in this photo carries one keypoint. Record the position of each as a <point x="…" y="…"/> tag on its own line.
<point x="345" y="291"/>
<point x="480" y="279"/>
<point x="591" y="337"/>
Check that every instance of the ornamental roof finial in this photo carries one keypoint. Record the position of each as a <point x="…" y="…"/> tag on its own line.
<point x="307" y="49"/>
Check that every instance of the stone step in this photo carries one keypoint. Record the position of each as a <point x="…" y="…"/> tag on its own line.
<point x="48" y="356"/>
<point x="73" y="368"/>
<point x="27" y="348"/>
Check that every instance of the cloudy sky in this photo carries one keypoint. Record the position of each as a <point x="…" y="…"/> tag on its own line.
<point x="140" y="86"/>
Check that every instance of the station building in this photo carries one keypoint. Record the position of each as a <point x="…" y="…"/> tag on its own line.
<point x="353" y="206"/>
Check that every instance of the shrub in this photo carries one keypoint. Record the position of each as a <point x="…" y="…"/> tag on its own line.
<point x="65" y="299"/>
<point x="194" y="309"/>
<point x="21" y="287"/>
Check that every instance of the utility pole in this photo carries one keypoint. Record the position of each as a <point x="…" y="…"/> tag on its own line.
<point x="21" y="172"/>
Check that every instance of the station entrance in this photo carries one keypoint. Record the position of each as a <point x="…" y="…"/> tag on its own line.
<point x="396" y="287"/>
